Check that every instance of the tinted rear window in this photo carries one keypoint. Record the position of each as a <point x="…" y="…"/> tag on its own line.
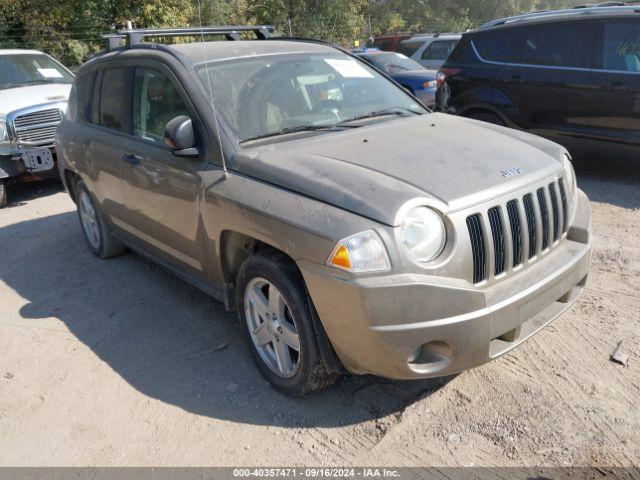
<point x="498" y="47"/>
<point x="561" y="45"/>
<point x="409" y="47"/>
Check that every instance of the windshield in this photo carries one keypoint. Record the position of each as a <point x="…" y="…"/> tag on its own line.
<point x="393" y="62"/>
<point x="27" y="69"/>
<point x="270" y="95"/>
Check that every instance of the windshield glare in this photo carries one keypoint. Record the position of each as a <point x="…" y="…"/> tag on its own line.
<point x="19" y="70"/>
<point x="394" y="62"/>
<point x="262" y="96"/>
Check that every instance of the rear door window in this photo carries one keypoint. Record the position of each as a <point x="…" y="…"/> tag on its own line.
<point x="439" y="50"/>
<point x="113" y="95"/>
<point x="562" y="45"/>
<point x="621" y="46"/>
<point x="496" y="48"/>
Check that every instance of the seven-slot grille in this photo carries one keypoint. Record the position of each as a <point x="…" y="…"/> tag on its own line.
<point x="524" y="227"/>
<point x="38" y="128"/>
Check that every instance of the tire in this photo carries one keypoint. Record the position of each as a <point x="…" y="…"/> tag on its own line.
<point x="488" y="117"/>
<point x="3" y="194"/>
<point x="94" y="228"/>
<point x="268" y="324"/>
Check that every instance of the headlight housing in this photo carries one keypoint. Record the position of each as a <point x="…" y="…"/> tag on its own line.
<point x="423" y="234"/>
<point x="571" y="174"/>
<point x="360" y="253"/>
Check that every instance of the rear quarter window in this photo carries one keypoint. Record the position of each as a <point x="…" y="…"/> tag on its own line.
<point x="439" y="50"/>
<point x="82" y="89"/>
<point x="408" y="48"/>
<point x="462" y="54"/>
<point x="497" y="47"/>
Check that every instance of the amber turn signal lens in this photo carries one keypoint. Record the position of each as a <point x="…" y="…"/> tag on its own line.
<point x="341" y="258"/>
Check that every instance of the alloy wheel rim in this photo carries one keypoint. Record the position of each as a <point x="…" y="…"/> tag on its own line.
<point x="89" y="220"/>
<point x="272" y="327"/>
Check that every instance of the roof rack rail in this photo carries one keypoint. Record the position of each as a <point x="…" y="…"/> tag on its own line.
<point x="603" y="4"/>
<point x="230" y="32"/>
<point x="604" y="7"/>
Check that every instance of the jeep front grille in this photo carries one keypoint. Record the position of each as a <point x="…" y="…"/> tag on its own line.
<point x="497" y="232"/>
<point x="516" y="231"/>
<point x="528" y="225"/>
<point x="38" y="128"/>
<point x="474" y="224"/>
<point x="531" y="224"/>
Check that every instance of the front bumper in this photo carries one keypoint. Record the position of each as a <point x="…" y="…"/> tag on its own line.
<point x="407" y="326"/>
<point x="13" y="164"/>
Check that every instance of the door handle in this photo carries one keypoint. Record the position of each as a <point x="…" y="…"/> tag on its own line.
<point x="516" y="79"/>
<point x="131" y="158"/>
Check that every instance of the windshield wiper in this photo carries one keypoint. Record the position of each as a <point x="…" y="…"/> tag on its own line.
<point x="398" y="111"/>
<point x="333" y="127"/>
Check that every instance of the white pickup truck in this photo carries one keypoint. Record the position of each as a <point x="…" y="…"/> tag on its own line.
<point x="34" y="90"/>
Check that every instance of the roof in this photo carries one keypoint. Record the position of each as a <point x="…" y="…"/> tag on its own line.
<point x="18" y="51"/>
<point x="439" y="36"/>
<point x="214" y="51"/>
<point x="570" y="14"/>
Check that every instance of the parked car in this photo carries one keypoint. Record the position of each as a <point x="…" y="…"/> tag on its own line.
<point x="430" y="51"/>
<point x="34" y="89"/>
<point x="572" y="76"/>
<point x="387" y="43"/>
<point x="409" y="74"/>
<point x="349" y="227"/>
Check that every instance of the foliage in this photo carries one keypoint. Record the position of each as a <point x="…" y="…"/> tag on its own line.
<point x="71" y="29"/>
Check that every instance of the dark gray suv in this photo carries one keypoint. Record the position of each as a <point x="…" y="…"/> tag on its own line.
<point x="350" y="228"/>
<point x="572" y="76"/>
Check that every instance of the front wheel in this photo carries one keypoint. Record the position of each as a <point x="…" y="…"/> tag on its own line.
<point x="273" y="310"/>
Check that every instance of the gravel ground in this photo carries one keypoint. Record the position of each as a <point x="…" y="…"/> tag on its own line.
<point x="119" y="363"/>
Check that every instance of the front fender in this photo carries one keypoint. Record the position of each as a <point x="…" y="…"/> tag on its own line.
<point x="301" y="227"/>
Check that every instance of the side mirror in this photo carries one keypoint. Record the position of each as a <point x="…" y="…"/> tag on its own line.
<point x="179" y="137"/>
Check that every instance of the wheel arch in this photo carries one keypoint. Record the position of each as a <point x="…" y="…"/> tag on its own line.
<point x="70" y="178"/>
<point x="235" y="249"/>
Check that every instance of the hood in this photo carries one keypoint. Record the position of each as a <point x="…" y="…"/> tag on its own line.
<point x="374" y="170"/>
<point x="22" y="97"/>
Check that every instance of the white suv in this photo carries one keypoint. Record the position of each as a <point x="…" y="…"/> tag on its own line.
<point x="430" y="51"/>
<point x="34" y="90"/>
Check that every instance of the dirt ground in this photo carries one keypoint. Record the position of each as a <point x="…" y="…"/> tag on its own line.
<point x="116" y="362"/>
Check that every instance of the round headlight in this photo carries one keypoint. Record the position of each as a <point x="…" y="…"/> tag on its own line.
<point x="423" y="234"/>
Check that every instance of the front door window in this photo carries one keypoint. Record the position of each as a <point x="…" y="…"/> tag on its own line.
<point x="155" y="101"/>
